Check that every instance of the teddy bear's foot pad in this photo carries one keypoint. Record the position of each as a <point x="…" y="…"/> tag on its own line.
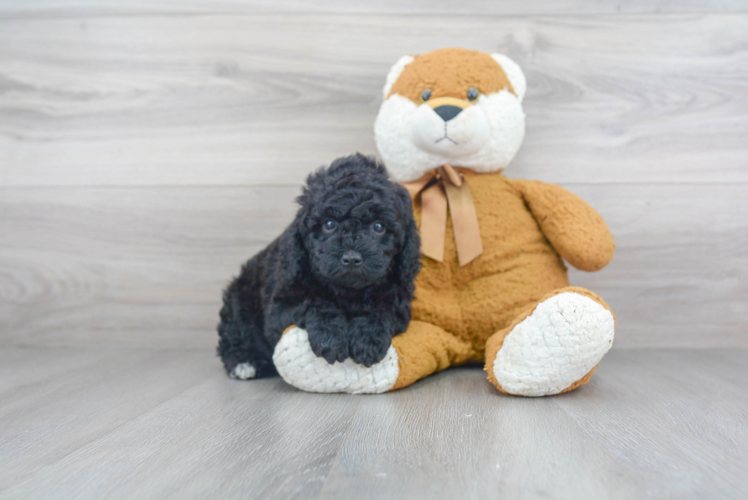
<point x="300" y="367"/>
<point x="564" y="338"/>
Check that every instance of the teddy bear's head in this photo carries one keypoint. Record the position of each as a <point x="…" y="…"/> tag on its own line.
<point x="454" y="106"/>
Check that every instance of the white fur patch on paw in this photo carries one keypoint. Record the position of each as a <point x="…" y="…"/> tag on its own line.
<point x="243" y="371"/>
<point x="300" y="367"/>
<point x="558" y="344"/>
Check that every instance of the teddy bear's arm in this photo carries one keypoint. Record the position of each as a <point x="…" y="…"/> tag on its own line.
<point x="573" y="227"/>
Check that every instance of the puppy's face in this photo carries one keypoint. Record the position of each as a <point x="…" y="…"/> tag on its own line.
<point x="353" y="243"/>
<point x="355" y="225"/>
<point x="450" y="106"/>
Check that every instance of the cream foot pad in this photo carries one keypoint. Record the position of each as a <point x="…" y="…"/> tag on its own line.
<point x="558" y="344"/>
<point x="300" y="367"/>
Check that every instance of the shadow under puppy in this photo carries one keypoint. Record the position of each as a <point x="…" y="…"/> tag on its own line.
<point x="343" y="271"/>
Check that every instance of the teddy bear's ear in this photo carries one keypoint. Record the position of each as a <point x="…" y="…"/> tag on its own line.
<point x="394" y="73"/>
<point x="514" y="73"/>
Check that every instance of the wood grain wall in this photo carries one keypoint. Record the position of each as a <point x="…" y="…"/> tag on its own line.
<point x="148" y="148"/>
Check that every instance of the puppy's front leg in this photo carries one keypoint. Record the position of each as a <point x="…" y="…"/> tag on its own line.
<point x="328" y="332"/>
<point x="370" y="337"/>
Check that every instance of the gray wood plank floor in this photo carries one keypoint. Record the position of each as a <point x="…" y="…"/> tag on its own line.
<point x="124" y="423"/>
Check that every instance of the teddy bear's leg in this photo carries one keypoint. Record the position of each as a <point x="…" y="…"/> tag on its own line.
<point x="424" y="349"/>
<point x="552" y="347"/>
<point x="418" y="352"/>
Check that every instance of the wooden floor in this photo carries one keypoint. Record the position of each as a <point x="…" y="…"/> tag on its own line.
<point x="118" y="423"/>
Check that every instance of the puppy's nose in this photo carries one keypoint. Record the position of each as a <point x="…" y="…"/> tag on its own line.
<point x="447" y="111"/>
<point x="352" y="258"/>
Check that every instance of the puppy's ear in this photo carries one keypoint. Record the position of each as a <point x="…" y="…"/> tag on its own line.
<point x="407" y="261"/>
<point x="293" y="254"/>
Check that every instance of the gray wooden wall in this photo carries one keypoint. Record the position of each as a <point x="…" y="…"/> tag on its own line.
<point x="148" y="148"/>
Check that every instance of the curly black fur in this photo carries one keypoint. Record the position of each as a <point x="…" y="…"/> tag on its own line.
<point x="348" y="283"/>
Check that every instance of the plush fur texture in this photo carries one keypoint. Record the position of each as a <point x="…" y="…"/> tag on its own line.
<point x="465" y="313"/>
<point x="511" y="308"/>
<point x="343" y="271"/>
<point x="413" y="138"/>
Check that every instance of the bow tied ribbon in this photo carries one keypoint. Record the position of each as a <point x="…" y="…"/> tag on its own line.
<point x="441" y="189"/>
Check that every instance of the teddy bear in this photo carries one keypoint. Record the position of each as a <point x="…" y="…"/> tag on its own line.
<point x="493" y="288"/>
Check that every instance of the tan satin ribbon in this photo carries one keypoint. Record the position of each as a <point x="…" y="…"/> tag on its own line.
<point x="447" y="190"/>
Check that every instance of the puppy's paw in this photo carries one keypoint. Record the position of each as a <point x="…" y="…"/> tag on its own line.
<point x="243" y="371"/>
<point x="300" y="367"/>
<point x="369" y="340"/>
<point x="328" y="339"/>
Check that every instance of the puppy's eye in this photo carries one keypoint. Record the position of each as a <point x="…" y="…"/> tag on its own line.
<point x="377" y="227"/>
<point x="329" y="226"/>
<point x="472" y="94"/>
<point x="425" y="95"/>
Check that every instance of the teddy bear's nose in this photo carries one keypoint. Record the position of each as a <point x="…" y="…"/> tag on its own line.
<point x="447" y="111"/>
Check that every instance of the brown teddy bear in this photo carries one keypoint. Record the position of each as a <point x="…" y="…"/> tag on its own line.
<point x="493" y="288"/>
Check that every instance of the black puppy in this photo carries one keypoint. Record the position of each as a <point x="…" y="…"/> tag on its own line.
<point x="343" y="271"/>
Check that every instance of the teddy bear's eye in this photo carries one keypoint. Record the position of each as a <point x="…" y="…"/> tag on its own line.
<point x="472" y="93"/>
<point x="425" y="94"/>
<point x="377" y="227"/>
<point x="330" y="225"/>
